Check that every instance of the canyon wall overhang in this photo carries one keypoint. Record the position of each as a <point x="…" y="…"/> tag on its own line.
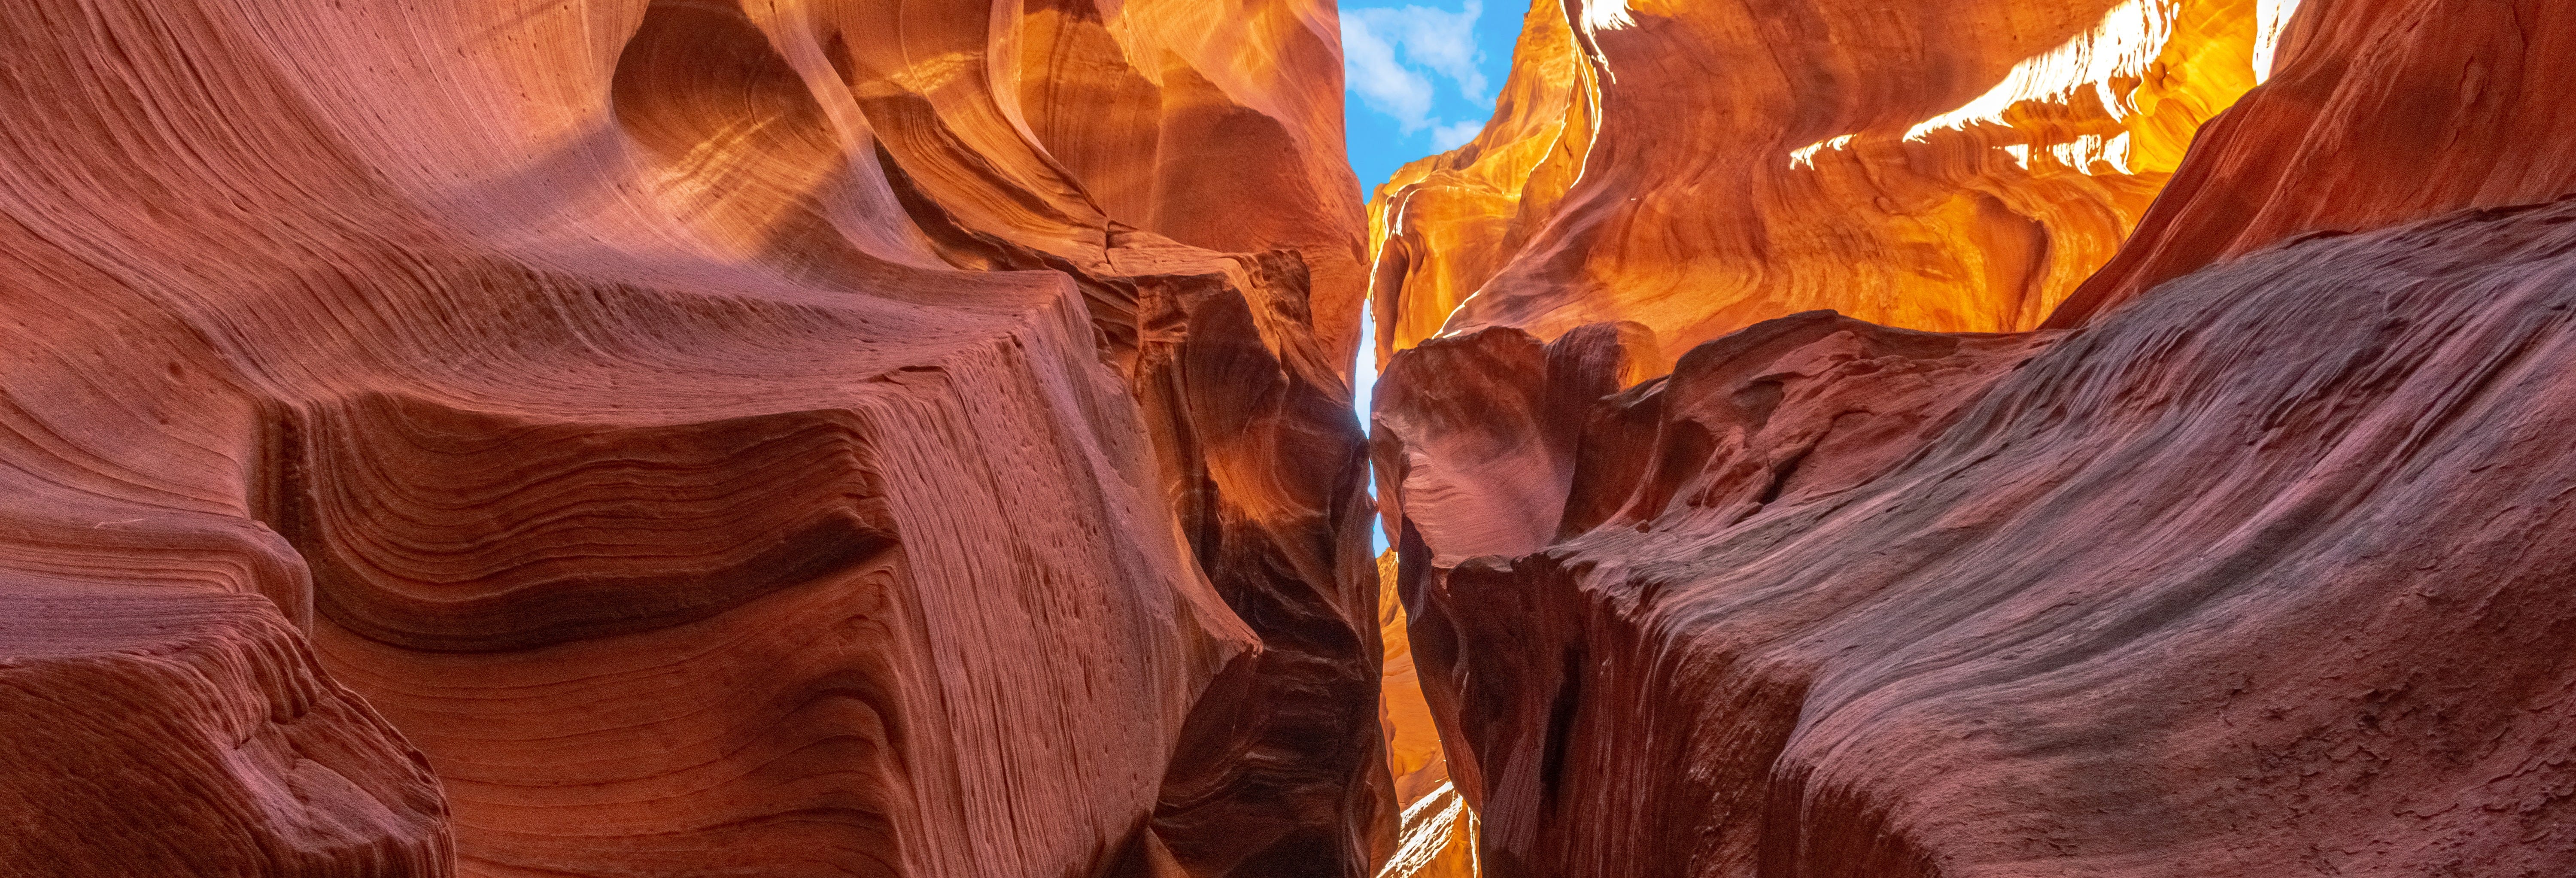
<point x="2248" y="566"/>
<point x="1698" y="167"/>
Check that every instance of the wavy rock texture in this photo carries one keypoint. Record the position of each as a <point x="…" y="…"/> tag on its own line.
<point x="1698" y="167"/>
<point x="149" y="732"/>
<point x="2249" y="574"/>
<point x="722" y="438"/>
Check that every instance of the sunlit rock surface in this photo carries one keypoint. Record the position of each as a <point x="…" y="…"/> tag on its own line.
<point x="682" y="438"/>
<point x="2252" y="568"/>
<point x="1698" y="167"/>
<point x="2464" y="109"/>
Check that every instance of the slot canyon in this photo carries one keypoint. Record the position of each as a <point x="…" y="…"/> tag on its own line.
<point x="958" y="438"/>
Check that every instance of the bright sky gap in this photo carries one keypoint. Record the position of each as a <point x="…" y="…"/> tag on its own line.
<point x="1418" y="79"/>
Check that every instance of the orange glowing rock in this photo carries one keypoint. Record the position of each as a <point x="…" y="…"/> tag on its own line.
<point x="2462" y="116"/>
<point x="1695" y="168"/>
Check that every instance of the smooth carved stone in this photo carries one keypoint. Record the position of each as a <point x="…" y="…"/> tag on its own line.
<point x="1698" y="168"/>
<point x="791" y="732"/>
<point x="1485" y="427"/>
<point x="813" y="636"/>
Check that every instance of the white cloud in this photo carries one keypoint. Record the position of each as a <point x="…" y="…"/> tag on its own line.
<point x="1435" y="40"/>
<point x="1449" y="137"/>
<point x="1369" y="64"/>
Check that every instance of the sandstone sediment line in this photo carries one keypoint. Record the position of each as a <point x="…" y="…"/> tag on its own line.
<point x="712" y="437"/>
<point x="1699" y="167"/>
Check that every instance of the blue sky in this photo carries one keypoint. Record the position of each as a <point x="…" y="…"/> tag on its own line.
<point x="1420" y="77"/>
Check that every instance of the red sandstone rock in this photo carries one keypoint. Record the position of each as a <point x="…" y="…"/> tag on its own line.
<point x="2202" y="589"/>
<point x="148" y="732"/>
<point x="722" y="437"/>
<point x="2258" y="572"/>
<point x="713" y="437"/>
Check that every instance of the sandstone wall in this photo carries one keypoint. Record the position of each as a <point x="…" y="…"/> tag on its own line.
<point x="682" y="437"/>
<point x="2243" y="567"/>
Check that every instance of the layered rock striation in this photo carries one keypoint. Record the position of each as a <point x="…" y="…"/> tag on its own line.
<point x="682" y="437"/>
<point x="1697" y="168"/>
<point x="750" y="437"/>
<point x="2242" y="566"/>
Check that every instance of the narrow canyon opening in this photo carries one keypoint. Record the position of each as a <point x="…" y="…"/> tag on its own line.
<point x="1281" y="439"/>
